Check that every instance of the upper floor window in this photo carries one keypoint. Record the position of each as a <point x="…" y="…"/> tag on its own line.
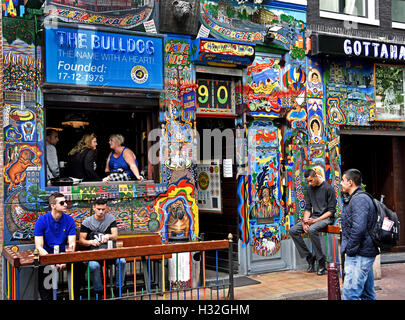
<point x="360" y="11"/>
<point x="350" y="7"/>
<point x="398" y="11"/>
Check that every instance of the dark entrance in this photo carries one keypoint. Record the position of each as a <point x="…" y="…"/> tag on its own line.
<point x="380" y="158"/>
<point x="217" y="225"/>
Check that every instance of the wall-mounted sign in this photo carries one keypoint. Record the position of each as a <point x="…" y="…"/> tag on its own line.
<point x="189" y="102"/>
<point x="223" y="53"/>
<point x="91" y="57"/>
<point x="215" y="97"/>
<point x="361" y="48"/>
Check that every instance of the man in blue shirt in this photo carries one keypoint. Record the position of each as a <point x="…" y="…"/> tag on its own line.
<point x="54" y="230"/>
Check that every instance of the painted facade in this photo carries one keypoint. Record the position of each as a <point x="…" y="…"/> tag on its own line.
<point x="290" y="106"/>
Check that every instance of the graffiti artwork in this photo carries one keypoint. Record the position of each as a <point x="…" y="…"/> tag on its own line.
<point x="130" y="13"/>
<point x="21" y="160"/>
<point x="389" y="93"/>
<point x="350" y="93"/>
<point x="177" y="212"/>
<point x="21" y="57"/>
<point x="264" y="86"/>
<point x="315" y="121"/>
<point x="249" y="22"/>
<point x="315" y="87"/>
<point x="265" y="240"/>
<point x="177" y="121"/>
<point x="265" y="202"/>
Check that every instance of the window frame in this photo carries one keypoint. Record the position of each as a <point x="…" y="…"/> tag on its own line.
<point x="370" y="19"/>
<point x="397" y="24"/>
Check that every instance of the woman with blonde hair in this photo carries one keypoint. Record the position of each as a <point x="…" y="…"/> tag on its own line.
<point x="81" y="162"/>
<point x="121" y="162"/>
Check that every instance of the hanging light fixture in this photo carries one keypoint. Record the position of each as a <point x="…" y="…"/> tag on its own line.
<point x="75" y="120"/>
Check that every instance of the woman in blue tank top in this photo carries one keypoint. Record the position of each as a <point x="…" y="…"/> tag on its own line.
<point x="121" y="162"/>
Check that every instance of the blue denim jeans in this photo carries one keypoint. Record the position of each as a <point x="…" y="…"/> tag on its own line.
<point x="359" y="279"/>
<point x="95" y="273"/>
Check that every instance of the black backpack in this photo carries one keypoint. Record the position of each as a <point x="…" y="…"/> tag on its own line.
<point x="385" y="230"/>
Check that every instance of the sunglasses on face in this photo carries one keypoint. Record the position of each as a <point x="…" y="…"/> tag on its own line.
<point x="63" y="202"/>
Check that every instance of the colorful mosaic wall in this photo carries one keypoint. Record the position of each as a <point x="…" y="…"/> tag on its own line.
<point x="275" y="89"/>
<point x="177" y="142"/>
<point x="166" y="208"/>
<point x="350" y="92"/>
<point x="119" y="14"/>
<point x="290" y="107"/>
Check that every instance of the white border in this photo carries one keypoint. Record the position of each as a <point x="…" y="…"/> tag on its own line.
<point x="346" y="17"/>
<point x="398" y="25"/>
<point x="370" y="19"/>
<point x="300" y="2"/>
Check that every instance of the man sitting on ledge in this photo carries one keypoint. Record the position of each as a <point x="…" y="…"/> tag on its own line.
<point x="319" y="213"/>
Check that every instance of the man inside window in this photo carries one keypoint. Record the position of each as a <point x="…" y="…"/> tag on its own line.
<point x="52" y="165"/>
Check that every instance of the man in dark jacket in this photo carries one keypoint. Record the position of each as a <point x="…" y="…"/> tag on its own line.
<point x="358" y="216"/>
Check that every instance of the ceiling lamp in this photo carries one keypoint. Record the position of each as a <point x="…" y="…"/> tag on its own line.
<point x="76" y="120"/>
<point x="75" y="123"/>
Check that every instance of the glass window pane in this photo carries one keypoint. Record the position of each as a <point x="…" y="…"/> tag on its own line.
<point x="398" y="10"/>
<point x="351" y="7"/>
<point x="355" y="7"/>
<point x="329" y="5"/>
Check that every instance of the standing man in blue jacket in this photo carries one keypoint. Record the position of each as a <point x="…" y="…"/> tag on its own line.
<point x="358" y="216"/>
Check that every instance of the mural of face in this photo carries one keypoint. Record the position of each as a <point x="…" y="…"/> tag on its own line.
<point x="314" y="78"/>
<point x="266" y="196"/>
<point x="178" y="222"/>
<point x="315" y="128"/>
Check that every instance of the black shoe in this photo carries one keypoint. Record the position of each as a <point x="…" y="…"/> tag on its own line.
<point x="311" y="263"/>
<point x="321" y="267"/>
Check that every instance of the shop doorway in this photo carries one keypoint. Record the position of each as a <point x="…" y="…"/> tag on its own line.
<point x="380" y="160"/>
<point x="216" y="194"/>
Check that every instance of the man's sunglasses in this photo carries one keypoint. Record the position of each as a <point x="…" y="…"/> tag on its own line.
<point x="63" y="202"/>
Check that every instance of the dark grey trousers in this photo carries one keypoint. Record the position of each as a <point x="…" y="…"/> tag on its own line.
<point x="313" y="231"/>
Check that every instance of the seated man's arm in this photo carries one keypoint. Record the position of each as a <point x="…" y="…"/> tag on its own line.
<point x="39" y="244"/>
<point x="322" y="217"/>
<point x="114" y="234"/>
<point x="87" y="243"/>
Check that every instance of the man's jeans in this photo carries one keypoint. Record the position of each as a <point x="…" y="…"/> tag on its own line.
<point x="95" y="274"/>
<point x="359" y="278"/>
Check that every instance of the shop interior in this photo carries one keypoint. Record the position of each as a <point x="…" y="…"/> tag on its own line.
<point x="375" y="164"/>
<point x="380" y="160"/>
<point x="132" y="118"/>
<point x="226" y="220"/>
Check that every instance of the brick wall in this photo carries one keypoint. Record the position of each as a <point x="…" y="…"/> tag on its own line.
<point x="383" y="13"/>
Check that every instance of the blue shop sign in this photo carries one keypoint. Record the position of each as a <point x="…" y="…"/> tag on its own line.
<point x="90" y="57"/>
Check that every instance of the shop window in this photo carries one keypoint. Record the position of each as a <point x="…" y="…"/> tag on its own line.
<point x="133" y="123"/>
<point x="398" y="14"/>
<point x="360" y="11"/>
